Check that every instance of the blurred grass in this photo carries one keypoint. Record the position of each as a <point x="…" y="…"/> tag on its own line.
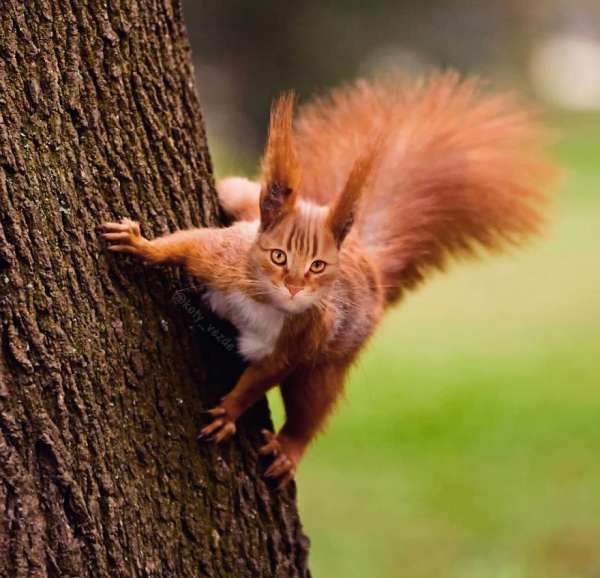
<point x="469" y="442"/>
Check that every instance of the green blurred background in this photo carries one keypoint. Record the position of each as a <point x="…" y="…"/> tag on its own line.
<point x="469" y="442"/>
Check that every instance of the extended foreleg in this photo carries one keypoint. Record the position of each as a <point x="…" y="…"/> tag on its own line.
<point x="211" y="254"/>
<point x="254" y="382"/>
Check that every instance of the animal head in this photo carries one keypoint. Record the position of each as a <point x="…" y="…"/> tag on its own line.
<point x="296" y="254"/>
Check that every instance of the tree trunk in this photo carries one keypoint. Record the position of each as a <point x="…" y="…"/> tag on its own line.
<point x="105" y="366"/>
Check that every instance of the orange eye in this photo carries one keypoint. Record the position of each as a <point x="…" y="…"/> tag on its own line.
<point x="278" y="257"/>
<point x="318" y="266"/>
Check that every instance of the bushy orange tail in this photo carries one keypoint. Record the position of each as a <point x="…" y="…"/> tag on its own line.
<point x="458" y="170"/>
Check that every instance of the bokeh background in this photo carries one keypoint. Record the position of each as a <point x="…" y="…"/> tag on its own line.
<point x="469" y="442"/>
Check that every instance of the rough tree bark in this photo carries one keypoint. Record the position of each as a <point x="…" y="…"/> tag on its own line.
<point x="105" y="366"/>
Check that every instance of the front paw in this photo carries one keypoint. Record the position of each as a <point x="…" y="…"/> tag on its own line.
<point x="286" y="456"/>
<point x="220" y="428"/>
<point x="125" y="237"/>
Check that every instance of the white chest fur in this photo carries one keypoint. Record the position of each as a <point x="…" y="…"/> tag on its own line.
<point x="259" y="324"/>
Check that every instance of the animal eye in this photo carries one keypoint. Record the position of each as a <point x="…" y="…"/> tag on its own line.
<point x="278" y="257"/>
<point x="318" y="266"/>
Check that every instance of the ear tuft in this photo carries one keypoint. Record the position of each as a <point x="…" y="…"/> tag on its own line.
<point x="343" y="212"/>
<point x="280" y="169"/>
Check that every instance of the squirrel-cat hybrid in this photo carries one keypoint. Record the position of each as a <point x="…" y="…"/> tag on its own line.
<point x="361" y="197"/>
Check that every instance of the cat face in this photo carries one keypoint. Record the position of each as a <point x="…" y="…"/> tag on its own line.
<point x="296" y="259"/>
<point x="295" y="256"/>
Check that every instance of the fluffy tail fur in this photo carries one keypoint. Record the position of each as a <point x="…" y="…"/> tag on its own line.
<point x="457" y="170"/>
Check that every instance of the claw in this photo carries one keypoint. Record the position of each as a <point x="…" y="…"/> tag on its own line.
<point x="211" y="427"/>
<point x="225" y="432"/>
<point x="285" y="480"/>
<point x="220" y="428"/>
<point x="124" y="225"/>
<point x="281" y="465"/>
<point x="115" y="236"/>
<point x="123" y="249"/>
<point x="215" y="411"/>
<point x="127" y="232"/>
<point x="272" y="445"/>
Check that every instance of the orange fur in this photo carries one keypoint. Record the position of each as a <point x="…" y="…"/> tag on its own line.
<point x="345" y="206"/>
<point x="239" y="198"/>
<point x="396" y="178"/>
<point x="280" y="170"/>
<point x="458" y="170"/>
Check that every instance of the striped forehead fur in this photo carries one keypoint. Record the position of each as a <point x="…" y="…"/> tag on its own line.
<point x="304" y="232"/>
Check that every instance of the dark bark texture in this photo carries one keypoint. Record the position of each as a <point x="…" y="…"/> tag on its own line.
<point x="105" y="366"/>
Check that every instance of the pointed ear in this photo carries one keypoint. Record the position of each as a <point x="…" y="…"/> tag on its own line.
<point x="280" y="170"/>
<point x="344" y="209"/>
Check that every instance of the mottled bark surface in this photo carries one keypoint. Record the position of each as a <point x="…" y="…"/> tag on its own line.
<point x="104" y="366"/>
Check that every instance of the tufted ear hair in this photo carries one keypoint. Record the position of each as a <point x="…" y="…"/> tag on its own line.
<point x="342" y="213"/>
<point x="280" y="169"/>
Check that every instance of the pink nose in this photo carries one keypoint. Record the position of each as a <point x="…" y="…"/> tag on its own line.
<point x="293" y="289"/>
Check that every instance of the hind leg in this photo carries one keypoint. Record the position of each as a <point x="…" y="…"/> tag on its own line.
<point x="309" y="397"/>
<point x="239" y="198"/>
